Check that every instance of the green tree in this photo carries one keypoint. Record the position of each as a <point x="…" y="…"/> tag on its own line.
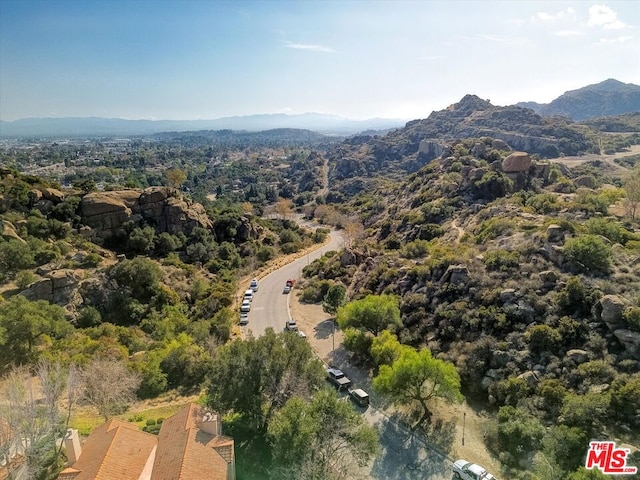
<point x="140" y="277"/>
<point x="373" y="313"/>
<point x="335" y="298"/>
<point x="24" y="323"/>
<point x="519" y="433"/>
<point x="385" y="348"/>
<point x="417" y="377"/>
<point x="175" y="177"/>
<point x="141" y="240"/>
<point x="589" y="254"/>
<point x="321" y="437"/>
<point x="254" y="378"/>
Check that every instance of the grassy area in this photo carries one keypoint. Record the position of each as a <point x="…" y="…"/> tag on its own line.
<point x="85" y="420"/>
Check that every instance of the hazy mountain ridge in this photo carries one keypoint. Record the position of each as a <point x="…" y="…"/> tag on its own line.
<point x="610" y="97"/>
<point x="79" y="126"/>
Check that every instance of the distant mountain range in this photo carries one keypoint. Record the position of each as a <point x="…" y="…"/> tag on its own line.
<point x="610" y="97"/>
<point x="91" y="126"/>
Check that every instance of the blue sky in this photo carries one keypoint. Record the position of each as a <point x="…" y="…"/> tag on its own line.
<point x="359" y="59"/>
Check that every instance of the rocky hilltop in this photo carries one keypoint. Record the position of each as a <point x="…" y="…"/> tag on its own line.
<point x="408" y="149"/>
<point x="610" y="97"/>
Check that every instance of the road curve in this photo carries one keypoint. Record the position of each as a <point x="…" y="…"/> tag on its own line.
<point x="270" y="306"/>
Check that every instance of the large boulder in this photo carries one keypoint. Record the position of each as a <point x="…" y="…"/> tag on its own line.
<point x="630" y="340"/>
<point x="8" y="231"/>
<point x="555" y="233"/>
<point x="53" y="195"/>
<point x="455" y="274"/>
<point x="609" y="309"/>
<point x="59" y="287"/>
<point x="516" y="162"/>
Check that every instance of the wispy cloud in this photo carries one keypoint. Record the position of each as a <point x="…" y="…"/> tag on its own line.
<point x="548" y="17"/>
<point x="605" y="17"/>
<point x="428" y="58"/>
<point x="310" y="47"/>
<point x="610" y="41"/>
<point x="569" y="33"/>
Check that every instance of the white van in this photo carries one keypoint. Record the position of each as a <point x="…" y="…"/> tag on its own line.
<point x="248" y="295"/>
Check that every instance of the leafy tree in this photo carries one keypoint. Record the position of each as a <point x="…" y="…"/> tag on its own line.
<point x="416" y="377"/>
<point x="566" y="445"/>
<point x="15" y="255"/>
<point x="385" y="348"/>
<point x="519" y="433"/>
<point x="284" y="208"/>
<point x="109" y="386"/>
<point x="175" y="177"/>
<point x="587" y="412"/>
<point x="589" y="254"/>
<point x="357" y="341"/>
<point x="23" y="324"/>
<point x="373" y="313"/>
<point x="584" y="474"/>
<point x="141" y="240"/>
<point x="335" y="298"/>
<point x="322" y="436"/>
<point x="254" y="378"/>
<point x="140" y="277"/>
<point x="625" y="399"/>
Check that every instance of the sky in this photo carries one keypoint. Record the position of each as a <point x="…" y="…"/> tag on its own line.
<point x="205" y="59"/>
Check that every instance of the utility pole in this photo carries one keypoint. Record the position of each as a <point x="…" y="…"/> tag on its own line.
<point x="464" y="419"/>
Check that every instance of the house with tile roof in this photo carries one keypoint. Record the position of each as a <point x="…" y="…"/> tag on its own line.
<point x="189" y="446"/>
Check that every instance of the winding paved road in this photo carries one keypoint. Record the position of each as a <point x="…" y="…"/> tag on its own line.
<point x="403" y="455"/>
<point x="270" y="306"/>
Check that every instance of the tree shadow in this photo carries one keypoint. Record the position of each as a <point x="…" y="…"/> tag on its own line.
<point x="324" y="329"/>
<point x="439" y="433"/>
<point x="404" y="455"/>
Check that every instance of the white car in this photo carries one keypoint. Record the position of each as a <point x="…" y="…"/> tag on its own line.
<point x="246" y="306"/>
<point x="254" y="285"/>
<point x="464" y="470"/>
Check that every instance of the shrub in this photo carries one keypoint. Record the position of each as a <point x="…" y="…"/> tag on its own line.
<point x="543" y="338"/>
<point x="608" y="228"/>
<point x="631" y="316"/>
<point x="589" y="254"/>
<point x="493" y="228"/>
<point x="519" y="433"/>
<point x="24" y="279"/>
<point x="543" y="203"/>
<point x="416" y="249"/>
<point x="501" y="260"/>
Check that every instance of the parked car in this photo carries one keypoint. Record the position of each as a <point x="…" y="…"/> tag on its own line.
<point x="338" y="378"/>
<point x="244" y="318"/>
<point x="248" y="295"/>
<point x="254" y="285"/>
<point x="286" y="289"/>
<point x="464" y="470"/>
<point x="246" y="306"/>
<point x="359" y="396"/>
<point x="291" y="326"/>
<point x="291" y="282"/>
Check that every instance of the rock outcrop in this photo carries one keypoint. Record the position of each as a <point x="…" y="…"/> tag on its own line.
<point x="58" y="286"/>
<point x="516" y="162"/>
<point x="159" y="207"/>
